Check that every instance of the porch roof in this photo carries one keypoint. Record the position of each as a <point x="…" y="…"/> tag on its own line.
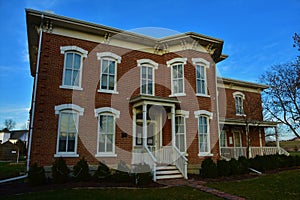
<point x="241" y="122"/>
<point x="154" y="99"/>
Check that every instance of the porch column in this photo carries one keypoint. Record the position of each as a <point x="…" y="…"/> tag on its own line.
<point x="173" y="125"/>
<point x="277" y="139"/>
<point x="134" y="136"/>
<point x="145" y="124"/>
<point x="260" y="142"/>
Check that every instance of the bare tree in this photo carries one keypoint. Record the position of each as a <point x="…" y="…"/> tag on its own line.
<point x="282" y="99"/>
<point x="9" y="124"/>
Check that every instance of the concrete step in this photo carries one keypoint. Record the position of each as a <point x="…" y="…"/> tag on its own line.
<point x="168" y="172"/>
<point x="167" y="167"/>
<point x="169" y="176"/>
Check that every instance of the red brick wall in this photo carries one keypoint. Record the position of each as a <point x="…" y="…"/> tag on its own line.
<point x="50" y="95"/>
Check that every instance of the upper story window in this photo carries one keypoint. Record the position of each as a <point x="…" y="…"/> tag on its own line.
<point x="147" y="77"/>
<point x="67" y="129"/>
<point x="108" y="72"/>
<point x="239" y="98"/>
<point x="201" y="76"/>
<point x="106" y="131"/>
<point x="177" y="76"/>
<point x="72" y="66"/>
<point x="203" y="132"/>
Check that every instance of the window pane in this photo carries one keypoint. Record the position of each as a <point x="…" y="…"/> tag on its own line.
<point x="198" y="72"/>
<point x="62" y="142"/>
<point x="110" y="124"/>
<point x="72" y="123"/>
<point x="175" y="86"/>
<point x="69" y="60"/>
<point x="71" y="142"/>
<point x="175" y="73"/>
<point x="180" y="86"/>
<point x="179" y="71"/>
<point x="112" y="67"/>
<point x="111" y="82"/>
<point x="150" y="88"/>
<point x="105" y="66"/>
<point x="109" y="144"/>
<point x="101" y="143"/>
<point x="143" y="72"/>
<point x="104" y="81"/>
<point x="75" y="81"/>
<point x="144" y="87"/>
<point x="64" y="119"/>
<point x="77" y="60"/>
<point x="150" y="73"/>
<point x="68" y="76"/>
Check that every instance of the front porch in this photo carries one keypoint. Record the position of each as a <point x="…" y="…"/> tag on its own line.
<point x="154" y="137"/>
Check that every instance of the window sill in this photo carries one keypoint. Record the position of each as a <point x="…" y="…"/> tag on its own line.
<point x="57" y="155"/>
<point x="108" y="91"/>
<point x="202" y="95"/>
<point x="70" y="87"/>
<point x="202" y="154"/>
<point x="241" y="115"/>
<point x="112" y="155"/>
<point x="178" y="95"/>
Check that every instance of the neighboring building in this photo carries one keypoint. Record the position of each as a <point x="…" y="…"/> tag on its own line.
<point x="19" y="135"/>
<point x="4" y="135"/>
<point x="109" y="95"/>
<point x="8" y="152"/>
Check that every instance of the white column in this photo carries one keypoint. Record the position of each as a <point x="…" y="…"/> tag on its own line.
<point x="173" y="125"/>
<point x="277" y="139"/>
<point x="260" y="142"/>
<point x="145" y="124"/>
<point x="133" y="127"/>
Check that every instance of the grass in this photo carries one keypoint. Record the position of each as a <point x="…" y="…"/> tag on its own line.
<point x="9" y="170"/>
<point x="294" y="153"/>
<point x="118" y="194"/>
<point x="284" y="185"/>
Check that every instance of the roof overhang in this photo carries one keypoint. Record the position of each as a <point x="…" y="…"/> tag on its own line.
<point x="232" y="82"/>
<point x="153" y="100"/>
<point x="240" y="122"/>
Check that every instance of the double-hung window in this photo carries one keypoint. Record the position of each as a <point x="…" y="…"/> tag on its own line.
<point x="106" y="131"/>
<point x="67" y="129"/>
<point x="239" y="97"/>
<point x="203" y="132"/>
<point x="180" y="133"/>
<point x="201" y="76"/>
<point x="177" y="76"/>
<point x="147" y="81"/>
<point x="72" y="72"/>
<point x="108" y="72"/>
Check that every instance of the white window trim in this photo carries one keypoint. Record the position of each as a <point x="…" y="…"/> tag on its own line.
<point x="113" y="57"/>
<point x="239" y="94"/>
<point x="209" y="116"/>
<point x="185" y="115"/>
<point x="70" y="108"/>
<point x="206" y="64"/>
<point x="80" y="51"/>
<point x="147" y="63"/>
<point x="116" y="114"/>
<point x="170" y="63"/>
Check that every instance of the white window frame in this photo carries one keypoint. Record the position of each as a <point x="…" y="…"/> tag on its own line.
<point x="184" y="114"/>
<point x="200" y="62"/>
<point x="147" y="63"/>
<point x="110" y="57"/>
<point x="109" y="112"/>
<point x="68" y="108"/>
<point x="242" y="97"/>
<point x="209" y="116"/>
<point x="83" y="54"/>
<point x="171" y="63"/>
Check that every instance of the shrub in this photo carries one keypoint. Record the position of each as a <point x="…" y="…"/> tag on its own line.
<point x="208" y="168"/>
<point x="243" y="165"/>
<point x="60" y="171"/>
<point x="122" y="174"/>
<point x="102" y="172"/>
<point x="223" y="168"/>
<point x="36" y="175"/>
<point x="143" y="174"/>
<point x="81" y="170"/>
<point x="234" y="167"/>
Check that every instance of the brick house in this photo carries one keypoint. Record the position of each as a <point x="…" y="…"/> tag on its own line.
<point x="110" y="95"/>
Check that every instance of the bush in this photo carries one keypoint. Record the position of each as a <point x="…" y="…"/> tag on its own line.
<point x="142" y="175"/>
<point x="81" y="170"/>
<point x="234" y="167"/>
<point x="243" y="165"/>
<point x="36" y="175"/>
<point x="60" y="171"/>
<point x="223" y="168"/>
<point x="102" y="172"/>
<point x="122" y="174"/>
<point x="208" y="168"/>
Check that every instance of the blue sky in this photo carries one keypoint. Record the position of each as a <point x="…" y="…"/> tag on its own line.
<point x="257" y="35"/>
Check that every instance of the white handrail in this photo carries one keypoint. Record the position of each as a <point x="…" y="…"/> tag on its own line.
<point x="180" y="162"/>
<point x="153" y="163"/>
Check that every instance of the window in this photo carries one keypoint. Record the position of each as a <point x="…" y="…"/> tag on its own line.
<point x="223" y="139"/>
<point x="106" y="131"/>
<point x="108" y="72"/>
<point x="201" y="79"/>
<point x="239" y="97"/>
<point x="177" y="76"/>
<point x="203" y="132"/>
<point x="147" y="82"/>
<point x="72" y="67"/>
<point x="67" y="129"/>
<point x="180" y="133"/>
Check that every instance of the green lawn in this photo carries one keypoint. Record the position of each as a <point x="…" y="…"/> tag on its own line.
<point x="142" y="194"/>
<point x="9" y="170"/>
<point x="294" y="153"/>
<point x="284" y="185"/>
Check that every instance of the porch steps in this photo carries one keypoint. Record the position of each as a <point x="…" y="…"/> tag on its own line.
<point x="167" y="172"/>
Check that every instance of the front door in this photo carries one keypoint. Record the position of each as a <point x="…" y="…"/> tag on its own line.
<point x="152" y="136"/>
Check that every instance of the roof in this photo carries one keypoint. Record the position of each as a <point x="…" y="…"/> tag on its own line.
<point x="242" y="122"/>
<point x="229" y="81"/>
<point x="34" y="19"/>
<point x="17" y="134"/>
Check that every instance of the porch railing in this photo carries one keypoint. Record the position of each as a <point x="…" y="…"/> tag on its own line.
<point x="236" y="152"/>
<point x="150" y="160"/>
<point x="180" y="162"/>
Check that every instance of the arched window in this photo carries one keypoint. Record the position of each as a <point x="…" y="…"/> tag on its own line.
<point x="106" y="131"/>
<point x="67" y="129"/>
<point x="72" y="72"/>
<point x="147" y="77"/>
<point x="239" y="107"/>
<point x="177" y="76"/>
